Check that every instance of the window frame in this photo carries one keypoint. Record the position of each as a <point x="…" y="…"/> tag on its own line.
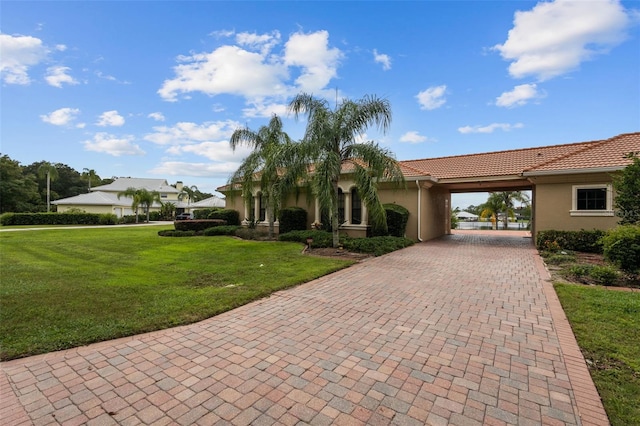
<point x="607" y="211"/>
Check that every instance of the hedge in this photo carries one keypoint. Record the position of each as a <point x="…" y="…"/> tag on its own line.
<point x="197" y="225"/>
<point x="292" y="219"/>
<point x="397" y="218"/>
<point x="622" y="247"/>
<point x="231" y="217"/>
<point x="582" y="241"/>
<point x="12" y="219"/>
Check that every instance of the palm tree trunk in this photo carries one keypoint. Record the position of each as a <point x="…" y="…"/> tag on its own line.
<point x="271" y="219"/>
<point x="335" y="223"/>
<point x="48" y="192"/>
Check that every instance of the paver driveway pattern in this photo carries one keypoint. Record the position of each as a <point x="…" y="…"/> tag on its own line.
<point x="455" y="331"/>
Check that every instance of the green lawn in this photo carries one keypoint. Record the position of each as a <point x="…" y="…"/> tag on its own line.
<point x="606" y="324"/>
<point x="68" y="287"/>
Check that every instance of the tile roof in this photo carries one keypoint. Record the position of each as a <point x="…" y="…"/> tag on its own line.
<point x="575" y="156"/>
<point x="610" y="153"/>
<point x="96" y="198"/>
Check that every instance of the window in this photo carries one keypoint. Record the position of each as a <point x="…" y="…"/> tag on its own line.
<point x="340" y="206"/>
<point x="356" y="208"/>
<point x="592" y="200"/>
<point x="163" y="195"/>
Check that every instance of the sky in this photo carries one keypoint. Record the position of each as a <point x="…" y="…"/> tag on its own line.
<point x="155" y="89"/>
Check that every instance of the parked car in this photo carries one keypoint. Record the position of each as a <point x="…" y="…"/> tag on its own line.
<point x="184" y="216"/>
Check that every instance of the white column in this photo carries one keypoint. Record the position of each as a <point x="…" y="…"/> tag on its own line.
<point x="256" y="208"/>
<point x="364" y="214"/>
<point x="317" y="211"/>
<point x="347" y="207"/>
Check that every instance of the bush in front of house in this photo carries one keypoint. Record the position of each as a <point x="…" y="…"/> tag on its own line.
<point x="231" y="217"/>
<point x="321" y="239"/>
<point x="622" y="247"/>
<point x="292" y="219"/>
<point x="205" y="213"/>
<point x="197" y="225"/>
<point x="76" y="218"/>
<point x="583" y="240"/>
<point x="397" y="218"/>
<point x="377" y="245"/>
<point x="131" y="218"/>
<point x="221" y="230"/>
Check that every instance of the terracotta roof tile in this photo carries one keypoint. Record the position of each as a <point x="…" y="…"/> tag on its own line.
<point x="593" y="154"/>
<point x="610" y="153"/>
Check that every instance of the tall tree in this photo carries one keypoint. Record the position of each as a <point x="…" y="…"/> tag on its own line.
<point x="627" y="186"/>
<point x="18" y="190"/>
<point x="141" y="198"/>
<point x="492" y="208"/>
<point x="49" y="171"/>
<point x="90" y="175"/>
<point x="331" y="139"/>
<point x="268" y="160"/>
<point x="502" y="203"/>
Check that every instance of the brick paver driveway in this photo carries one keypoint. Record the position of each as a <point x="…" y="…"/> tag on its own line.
<point x="463" y="331"/>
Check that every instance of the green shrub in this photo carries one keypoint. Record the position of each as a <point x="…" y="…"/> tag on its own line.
<point x="582" y="241"/>
<point x="397" y="218"/>
<point x="107" y="219"/>
<point x="622" y="247"/>
<point x="559" y="258"/>
<point x="292" y="219"/>
<point x="132" y="218"/>
<point x="321" y="239"/>
<point x="605" y="275"/>
<point x="205" y="213"/>
<point x="232" y="217"/>
<point x="580" y="272"/>
<point x="221" y="230"/>
<point x="251" y="234"/>
<point x="77" y="218"/>
<point x="197" y="225"/>
<point x="155" y="216"/>
<point x="377" y="245"/>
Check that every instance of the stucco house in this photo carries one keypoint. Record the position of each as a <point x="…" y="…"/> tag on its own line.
<point x="104" y="198"/>
<point x="571" y="187"/>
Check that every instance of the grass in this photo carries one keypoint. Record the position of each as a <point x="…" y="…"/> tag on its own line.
<point x="69" y="287"/>
<point x="606" y="324"/>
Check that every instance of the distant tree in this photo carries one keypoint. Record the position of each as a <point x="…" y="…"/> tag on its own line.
<point x="50" y="172"/>
<point x="90" y="175"/>
<point x="18" y="191"/>
<point x="141" y="198"/>
<point x="508" y="198"/>
<point x="474" y="209"/>
<point x="331" y="139"/>
<point x="492" y="208"/>
<point x="627" y="186"/>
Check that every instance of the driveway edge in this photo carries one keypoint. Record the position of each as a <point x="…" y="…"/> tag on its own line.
<point x="589" y="405"/>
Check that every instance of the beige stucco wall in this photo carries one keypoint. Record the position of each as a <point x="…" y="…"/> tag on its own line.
<point x="553" y="203"/>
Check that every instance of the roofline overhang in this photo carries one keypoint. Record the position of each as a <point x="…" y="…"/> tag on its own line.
<point x="476" y="179"/>
<point x="574" y="171"/>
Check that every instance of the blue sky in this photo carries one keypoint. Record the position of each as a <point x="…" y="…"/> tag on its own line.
<point x="155" y="89"/>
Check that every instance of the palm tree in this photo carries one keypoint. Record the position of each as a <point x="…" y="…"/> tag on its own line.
<point x="141" y="198"/>
<point x="330" y="140"/>
<point x="492" y="207"/>
<point x="90" y="174"/>
<point x="49" y="171"/>
<point x="508" y="197"/>
<point x="188" y="192"/>
<point x="268" y="160"/>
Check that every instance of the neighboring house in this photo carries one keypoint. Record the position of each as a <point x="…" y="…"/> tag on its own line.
<point x="104" y="198"/>
<point x="464" y="215"/>
<point x="571" y="187"/>
<point x="208" y="203"/>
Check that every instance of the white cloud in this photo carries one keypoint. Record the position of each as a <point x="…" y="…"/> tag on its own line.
<point x="57" y="75"/>
<point x="158" y="116"/>
<point x="18" y="54"/>
<point x="520" y="95"/>
<point x="110" y="118"/>
<point x="260" y="42"/>
<point x="490" y="128"/>
<point x="113" y="145"/>
<point x="383" y="59"/>
<point x="254" y="70"/>
<point x="185" y="133"/>
<point x="555" y="37"/>
<point x="432" y="98"/>
<point x="62" y="117"/>
<point x="214" y="151"/>
<point x="258" y="108"/>
<point x="413" y="137"/>
<point x="60" y="47"/>
<point x="319" y="63"/>
<point x="181" y="168"/>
